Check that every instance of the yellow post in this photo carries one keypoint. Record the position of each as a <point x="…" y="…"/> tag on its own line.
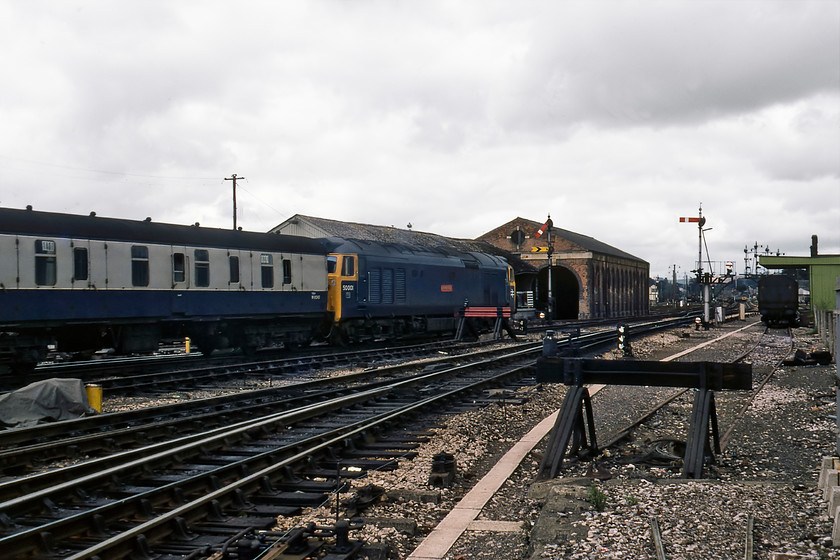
<point x="187" y="345"/>
<point x="94" y="395"/>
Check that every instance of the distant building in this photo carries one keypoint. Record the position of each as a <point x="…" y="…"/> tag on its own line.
<point x="589" y="278"/>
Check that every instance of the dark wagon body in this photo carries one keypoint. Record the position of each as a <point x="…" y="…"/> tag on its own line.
<point x="778" y="300"/>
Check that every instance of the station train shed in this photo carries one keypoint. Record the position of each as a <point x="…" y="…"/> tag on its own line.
<point x="589" y="279"/>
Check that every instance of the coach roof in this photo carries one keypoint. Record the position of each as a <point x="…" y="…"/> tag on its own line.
<point x="30" y="222"/>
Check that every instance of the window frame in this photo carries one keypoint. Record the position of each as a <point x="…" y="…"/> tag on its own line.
<point x="266" y="271"/>
<point x="179" y="270"/>
<point x="81" y="264"/>
<point x="201" y="268"/>
<point x="46" y="262"/>
<point x="235" y="269"/>
<point x="140" y="266"/>
<point x="287" y="271"/>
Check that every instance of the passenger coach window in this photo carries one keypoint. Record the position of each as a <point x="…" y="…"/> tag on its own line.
<point x="179" y="268"/>
<point x="139" y="265"/>
<point x="202" y="268"/>
<point x="45" y="267"/>
<point x="80" y="263"/>
<point x="287" y="271"/>
<point x="349" y="266"/>
<point x="234" y="270"/>
<point x="267" y="271"/>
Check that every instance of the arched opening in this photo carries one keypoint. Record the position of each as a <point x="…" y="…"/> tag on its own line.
<point x="564" y="290"/>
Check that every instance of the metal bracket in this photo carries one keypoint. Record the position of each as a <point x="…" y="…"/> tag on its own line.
<point x="698" y="446"/>
<point x="571" y="426"/>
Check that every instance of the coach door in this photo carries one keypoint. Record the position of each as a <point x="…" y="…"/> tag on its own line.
<point x="80" y="278"/>
<point x="180" y="279"/>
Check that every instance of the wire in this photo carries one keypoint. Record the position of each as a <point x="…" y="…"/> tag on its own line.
<point x="104" y="172"/>
<point x="708" y="256"/>
<point x="283" y="215"/>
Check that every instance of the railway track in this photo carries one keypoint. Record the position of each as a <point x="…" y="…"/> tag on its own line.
<point x="664" y="452"/>
<point x="192" y="492"/>
<point x="659" y="544"/>
<point x="731" y="405"/>
<point x="668" y="459"/>
<point x="124" y="376"/>
<point x="167" y="371"/>
<point x="26" y="449"/>
<point x="113" y="507"/>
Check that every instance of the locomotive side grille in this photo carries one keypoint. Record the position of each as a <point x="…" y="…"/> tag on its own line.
<point x="374" y="286"/>
<point x="399" y="286"/>
<point x="387" y="285"/>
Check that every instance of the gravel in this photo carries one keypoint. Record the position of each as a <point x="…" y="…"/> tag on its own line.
<point x="768" y="471"/>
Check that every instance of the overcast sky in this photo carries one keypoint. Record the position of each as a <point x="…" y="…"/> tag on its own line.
<point x="617" y="118"/>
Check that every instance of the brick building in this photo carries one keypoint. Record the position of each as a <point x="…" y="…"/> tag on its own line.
<point x="589" y="279"/>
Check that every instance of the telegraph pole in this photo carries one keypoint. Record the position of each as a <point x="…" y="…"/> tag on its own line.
<point x="234" y="178"/>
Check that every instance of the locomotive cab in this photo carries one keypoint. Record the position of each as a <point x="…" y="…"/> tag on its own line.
<point x="342" y="283"/>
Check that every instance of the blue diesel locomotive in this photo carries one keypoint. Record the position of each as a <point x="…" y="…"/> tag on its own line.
<point x="79" y="284"/>
<point x="390" y="290"/>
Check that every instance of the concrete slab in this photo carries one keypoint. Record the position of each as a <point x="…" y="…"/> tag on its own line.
<point x="496" y="526"/>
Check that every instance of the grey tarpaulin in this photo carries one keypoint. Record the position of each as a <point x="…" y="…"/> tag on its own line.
<point x="44" y="401"/>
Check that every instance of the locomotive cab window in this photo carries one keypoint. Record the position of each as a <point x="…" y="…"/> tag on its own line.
<point x="267" y="271"/>
<point x="139" y="265"/>
<point x="202" y="268"/>
<point x="179" y="268"/>
<point x="348" y="266"/>
<point x="45" y="263"/>
<point x="80" y="263"/>
<point x="332" y="264"/>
